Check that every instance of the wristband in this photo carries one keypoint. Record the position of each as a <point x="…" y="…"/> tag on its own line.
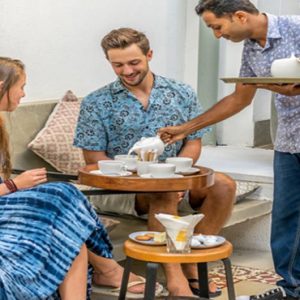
<point x="10" y="185"/>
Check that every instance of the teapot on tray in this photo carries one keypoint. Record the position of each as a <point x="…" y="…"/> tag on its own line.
<point x="148" y="145"/>
<point x="286" y="67"/>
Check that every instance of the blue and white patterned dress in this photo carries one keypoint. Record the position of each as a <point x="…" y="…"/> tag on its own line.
<point x="41" y="232"/>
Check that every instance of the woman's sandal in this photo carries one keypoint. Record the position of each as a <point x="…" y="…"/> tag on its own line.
<point x="105" y="290"/>
<point x="196" y="291"/>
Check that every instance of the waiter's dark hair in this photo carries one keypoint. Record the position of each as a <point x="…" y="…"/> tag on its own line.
<point x="221" y="8"/>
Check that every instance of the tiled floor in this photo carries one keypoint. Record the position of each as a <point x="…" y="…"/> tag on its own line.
<point x="242" y="258"/>
<point x="252" y="260"/>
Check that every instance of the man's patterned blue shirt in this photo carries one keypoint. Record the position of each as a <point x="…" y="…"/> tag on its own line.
<point x="111" y="119"/>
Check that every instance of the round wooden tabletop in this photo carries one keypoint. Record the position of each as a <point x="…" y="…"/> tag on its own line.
<point x="134" y="183"/>
<point x="159" y="253"/>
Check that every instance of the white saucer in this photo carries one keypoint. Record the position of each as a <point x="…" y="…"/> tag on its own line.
<point x="207" y="241"/>
<point x="150" y="176"/>
<point x="98" y="172"/>
<point x="188" y="171"/>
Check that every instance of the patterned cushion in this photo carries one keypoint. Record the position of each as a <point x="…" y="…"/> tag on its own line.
<point x="54" y="143"/>
<point x="245" y="189"/>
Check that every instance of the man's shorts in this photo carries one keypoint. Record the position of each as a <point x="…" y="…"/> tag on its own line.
<point x="124" y="204"/>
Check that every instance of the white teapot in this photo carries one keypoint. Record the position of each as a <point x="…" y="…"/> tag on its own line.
<point x="286" y="67"/>
<point x="147" y="144"/>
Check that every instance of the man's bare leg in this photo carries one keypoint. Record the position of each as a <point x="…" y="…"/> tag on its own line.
<point x="177" y="283"/>
<point x="217" y="207"/>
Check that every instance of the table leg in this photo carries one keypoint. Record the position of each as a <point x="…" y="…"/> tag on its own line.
<point x="125" y="278"/>
<point x="203" y="280"/>
<point x="229" y="278"/>
<point x="150" y="281"/>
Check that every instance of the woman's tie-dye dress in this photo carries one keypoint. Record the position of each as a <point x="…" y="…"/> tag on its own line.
<point x="41" y="232"/>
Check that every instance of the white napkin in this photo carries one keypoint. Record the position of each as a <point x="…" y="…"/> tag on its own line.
<point x="179" y="229"/>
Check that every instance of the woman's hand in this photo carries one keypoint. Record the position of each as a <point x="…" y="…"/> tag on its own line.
<point x="30" y="178"/>
<point x="171" y="134"/>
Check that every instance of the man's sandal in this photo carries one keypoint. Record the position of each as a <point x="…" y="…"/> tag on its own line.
<point x="196" y="291"/>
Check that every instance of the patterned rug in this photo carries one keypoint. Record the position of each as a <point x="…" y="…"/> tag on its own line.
<point x="239" y="273"/>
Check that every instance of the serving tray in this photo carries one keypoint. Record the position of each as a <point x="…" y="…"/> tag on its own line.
<point x="262" y="80"/>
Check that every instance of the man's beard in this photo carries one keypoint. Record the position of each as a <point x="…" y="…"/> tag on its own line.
<point x="138" y="82"/>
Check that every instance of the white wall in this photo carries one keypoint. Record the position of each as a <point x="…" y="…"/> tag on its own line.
<point x="59" y="41"/>
<point x="191" y="49"/>
<point x="239" y="129"/>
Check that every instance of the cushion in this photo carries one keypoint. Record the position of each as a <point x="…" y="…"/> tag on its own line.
<point x="245" y="189"/>
<point x="54" y="143"/>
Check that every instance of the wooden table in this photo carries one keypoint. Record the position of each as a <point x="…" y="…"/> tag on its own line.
<point x="134" y="183"/>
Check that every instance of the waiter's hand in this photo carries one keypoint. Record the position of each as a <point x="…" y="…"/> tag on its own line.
<point x="171" y="134"/>
<point x="283" y="89"/>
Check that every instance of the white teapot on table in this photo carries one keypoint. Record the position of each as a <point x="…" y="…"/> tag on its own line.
<point x="148" y="144"/>
<point x="286" y="67"/>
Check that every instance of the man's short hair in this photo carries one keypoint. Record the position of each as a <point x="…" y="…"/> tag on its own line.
<point x="221" y="8"/>
<point x="123" y="38"/>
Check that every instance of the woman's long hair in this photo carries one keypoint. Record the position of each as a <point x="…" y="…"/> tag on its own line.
<point x="10" y="72"/>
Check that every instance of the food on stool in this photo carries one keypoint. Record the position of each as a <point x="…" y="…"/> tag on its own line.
<point x="150" y="234"/>
<point x="144" y="237"/>
<point x="159" y="237"/>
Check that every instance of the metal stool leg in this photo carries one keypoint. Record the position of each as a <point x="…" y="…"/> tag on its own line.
<point x="203" y="280"/>
<point x="229" y="278"/>
<point x="150" y="281"/>
<point x="125" y="278"/>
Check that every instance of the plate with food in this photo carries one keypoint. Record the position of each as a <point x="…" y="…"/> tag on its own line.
<point x="200" y="241"/>
<point x="261" y="80"/>
<point x="151" y="238"/>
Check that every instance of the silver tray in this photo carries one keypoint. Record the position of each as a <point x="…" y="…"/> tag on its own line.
<point x="262" y="80"/>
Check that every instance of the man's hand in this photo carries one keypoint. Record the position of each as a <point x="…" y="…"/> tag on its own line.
<point x="180" y="195"/>
<point x="30" y="178"/>
<point x="283" y="89"/>
<point x="171" y="134"/>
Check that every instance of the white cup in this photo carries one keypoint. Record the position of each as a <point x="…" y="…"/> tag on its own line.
<point x="161" y="170"/>
<point x="143" y="167"/>
<point x="182" y="163"/>
<point x="129" y="160"/>
<point x="111" y="166"/>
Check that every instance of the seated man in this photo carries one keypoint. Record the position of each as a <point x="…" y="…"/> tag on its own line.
<point x="136" y="105"/>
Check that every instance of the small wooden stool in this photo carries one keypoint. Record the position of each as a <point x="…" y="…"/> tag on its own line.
<point x="155" y="255"/>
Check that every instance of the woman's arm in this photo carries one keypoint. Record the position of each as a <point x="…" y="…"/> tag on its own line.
<point x="25" y="180"/>
<point x="4" y="189"/>
<point x="31" y="178"/>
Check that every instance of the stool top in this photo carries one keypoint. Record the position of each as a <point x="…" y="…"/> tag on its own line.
<point x="159" y="254"/>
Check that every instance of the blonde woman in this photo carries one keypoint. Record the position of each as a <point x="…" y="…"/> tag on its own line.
<point x="48" y="231"/>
